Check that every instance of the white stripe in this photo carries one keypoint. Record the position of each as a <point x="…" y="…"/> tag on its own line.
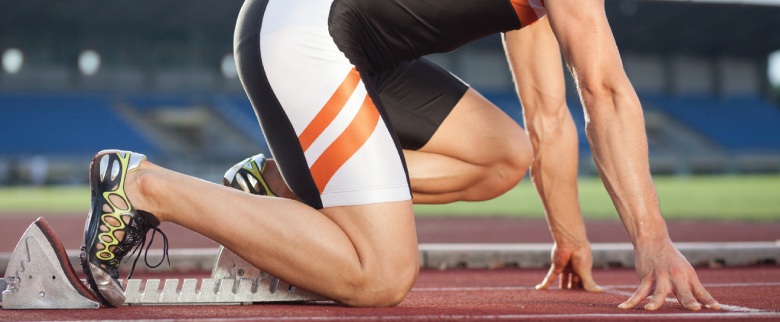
<point x="522" y="288"/>
<point x="339" y="124"/>
<point x="538" y="8"/>
<point x="478" y="289"/>
<point x="709" y="285"/>
<point x="653" y="316"/>
<point x="732" y="308"/>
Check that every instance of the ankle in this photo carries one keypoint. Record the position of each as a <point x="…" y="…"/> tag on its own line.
<point x="140" y="188"/>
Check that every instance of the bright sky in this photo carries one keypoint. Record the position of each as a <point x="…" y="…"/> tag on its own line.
<point x="774" y="68"/>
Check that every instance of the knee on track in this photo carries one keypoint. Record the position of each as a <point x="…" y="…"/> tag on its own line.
<point x="380" y="290"/>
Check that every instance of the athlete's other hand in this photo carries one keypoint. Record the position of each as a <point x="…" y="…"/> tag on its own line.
<point x="571" y="265"/>
<point x="663" y="270"/>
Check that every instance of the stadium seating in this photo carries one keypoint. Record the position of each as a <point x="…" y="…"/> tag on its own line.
<point x="67" y="124"/>
<point x="237" y="110"/>
<point x="739" y="124"/>
<point x="63" y="123"/>
<point x="148" y="102"/>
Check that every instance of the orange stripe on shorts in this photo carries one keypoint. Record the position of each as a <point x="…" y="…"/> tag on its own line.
<point x="525" y="12"/>
<point x="331" y="109"/>
<point x="346" y="145"/>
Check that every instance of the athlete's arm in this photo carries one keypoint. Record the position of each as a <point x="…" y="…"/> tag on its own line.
<point x="615" y="130"/>
<point x="535" y="61"/>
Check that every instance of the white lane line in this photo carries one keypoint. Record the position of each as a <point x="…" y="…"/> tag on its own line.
<point x="740" y="284"/>
<point x="726" y="307"/>
<point x="611" y="289"/>
<point x="524" y="288"/>
<point x="708" y="285"/>
<point x="634" y="316"/>
<point x="465" y="289"/>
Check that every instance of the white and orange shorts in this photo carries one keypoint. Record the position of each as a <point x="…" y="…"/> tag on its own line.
<point x="339" y="87"/>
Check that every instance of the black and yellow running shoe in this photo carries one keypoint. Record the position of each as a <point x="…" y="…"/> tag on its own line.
<point x="114" y="227"/>
<point x="247" y="175"/>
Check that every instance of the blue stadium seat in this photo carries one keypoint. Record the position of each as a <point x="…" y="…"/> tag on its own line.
<point x="148" y="102"/>
<point x="739" y="124"/>
<point x="65" y="124"/>
<point x="237" y="110"/>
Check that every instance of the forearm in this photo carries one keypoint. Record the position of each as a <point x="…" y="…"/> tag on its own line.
<point x="614" y="121"/>
<point x="616" y="133"/>
<point x="554" y="173"/>
<point x="534" y="58"/>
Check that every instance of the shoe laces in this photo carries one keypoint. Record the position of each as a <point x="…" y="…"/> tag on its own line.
<point x="146" y="254"/>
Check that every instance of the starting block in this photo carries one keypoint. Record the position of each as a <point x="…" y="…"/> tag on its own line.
<point x="39" y="276"/>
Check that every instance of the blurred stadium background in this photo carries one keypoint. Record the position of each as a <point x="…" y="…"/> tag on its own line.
<point x="160" y="75"/>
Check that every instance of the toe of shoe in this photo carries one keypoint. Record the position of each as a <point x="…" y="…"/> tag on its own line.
<point x="107" y="286"/>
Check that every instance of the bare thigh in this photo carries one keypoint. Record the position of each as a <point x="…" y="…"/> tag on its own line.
<point x="477" y="153"/>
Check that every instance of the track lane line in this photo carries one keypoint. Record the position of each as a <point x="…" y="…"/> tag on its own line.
<point x="732" y="308"/>
<point x="524" y="288"/>
<point x="634" y="316"/>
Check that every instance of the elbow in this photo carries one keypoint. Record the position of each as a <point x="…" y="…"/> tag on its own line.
<point x="599" y="93"/>
<point x="606" y="98"/>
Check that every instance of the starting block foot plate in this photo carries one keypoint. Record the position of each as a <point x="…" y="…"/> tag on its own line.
<point x="39" y="275"/>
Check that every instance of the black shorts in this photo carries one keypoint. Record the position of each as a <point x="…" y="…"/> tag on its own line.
<point x="302" y="63"/>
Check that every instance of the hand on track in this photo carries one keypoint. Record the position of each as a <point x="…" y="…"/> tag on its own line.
<point x="663" y="270"/>
<point x="573" y="265"/>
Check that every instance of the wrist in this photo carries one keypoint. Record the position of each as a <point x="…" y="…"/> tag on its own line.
<point x="649" y="229"/>
<point x="570" y="239"/>
<point x="652" y="239"/>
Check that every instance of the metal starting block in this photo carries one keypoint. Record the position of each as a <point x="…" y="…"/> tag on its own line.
<point x="39" y="276"/>
<point x="233" y="281"/>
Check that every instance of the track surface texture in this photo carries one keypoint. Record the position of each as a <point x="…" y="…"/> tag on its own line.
<point x="70" y="229"/>
<point x="481" y="295"/>
<point x="748" y="293"/>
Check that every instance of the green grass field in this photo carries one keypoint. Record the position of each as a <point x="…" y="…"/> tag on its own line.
<point x="698" y="197"/>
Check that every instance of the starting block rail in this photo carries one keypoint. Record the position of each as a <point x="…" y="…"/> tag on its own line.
<point x="233" y="281"/>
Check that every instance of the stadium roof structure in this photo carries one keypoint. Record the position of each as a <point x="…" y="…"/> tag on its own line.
<point x="739" y="2"/>
<point x="705" y="27"/>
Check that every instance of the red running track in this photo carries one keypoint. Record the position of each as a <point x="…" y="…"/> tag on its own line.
<point x="481" y="295"/>
<point x="70" y="229"/>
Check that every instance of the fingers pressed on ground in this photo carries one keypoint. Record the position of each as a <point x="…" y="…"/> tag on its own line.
<point x="588" y="283"/>
<point x="659" y="297"/>
<point x="552" y="275"/>
<point x="704" y="297"/>
<point x="575" y="281"/>
<point x="682" y="290"/>
<point x="685" y="297"/>
<point x="639" y="296"/>
<point x="566" y="277"/>
<point x="565" y="280"/>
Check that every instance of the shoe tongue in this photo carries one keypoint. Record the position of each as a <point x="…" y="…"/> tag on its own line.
<point x="149" y="218"/>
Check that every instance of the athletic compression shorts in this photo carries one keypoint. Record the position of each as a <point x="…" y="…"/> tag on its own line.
<point x="339" y="87"/>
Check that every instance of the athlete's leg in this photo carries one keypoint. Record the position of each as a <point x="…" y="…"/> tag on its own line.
<point x="352" y="236"/>
<point x="477" y="153"/>
<point x="357" y="255"/>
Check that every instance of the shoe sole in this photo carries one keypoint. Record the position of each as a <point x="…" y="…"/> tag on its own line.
<point x="84" y="256"/>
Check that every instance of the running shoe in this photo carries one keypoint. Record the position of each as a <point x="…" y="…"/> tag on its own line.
<point x="113" y="229"/>
<point x="247" y="175"/>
